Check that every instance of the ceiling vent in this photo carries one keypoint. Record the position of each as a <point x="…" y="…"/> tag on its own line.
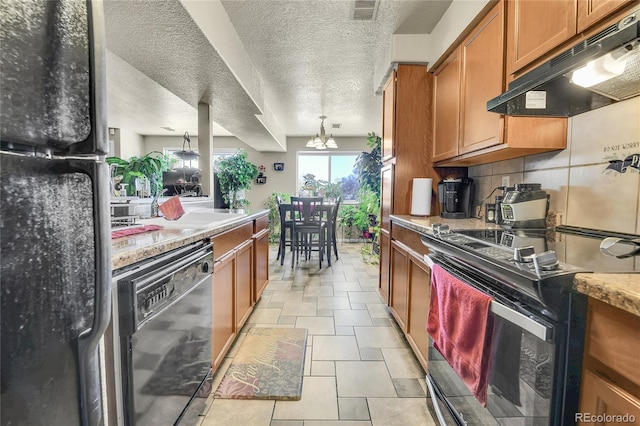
<point x="168" y="129"/>
<point x="364" y="10"/>
<point x="336" y="125"/>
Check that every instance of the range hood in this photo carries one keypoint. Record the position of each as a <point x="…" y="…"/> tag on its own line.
<point x="552" y="89"/>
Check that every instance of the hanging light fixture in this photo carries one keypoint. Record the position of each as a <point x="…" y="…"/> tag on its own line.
<point x="186" y="155"/>
<point x="320" y="141"/>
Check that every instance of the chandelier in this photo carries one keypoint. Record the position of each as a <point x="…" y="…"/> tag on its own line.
<point x="320" y="141"/>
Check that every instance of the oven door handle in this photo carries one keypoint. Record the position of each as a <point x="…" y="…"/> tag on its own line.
<point x="521" y="320"/>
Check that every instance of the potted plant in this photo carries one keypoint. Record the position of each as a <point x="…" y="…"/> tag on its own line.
<point x="310" y="185"/>
<point x="235" y="174"/>
<point x="274" y="216"/>
<point x="331" y="191"/>
<point x="369" y="164"/>
<point x="347" y="219"/>
<point x="367" y="210"/>
<point x="149" y="166"/>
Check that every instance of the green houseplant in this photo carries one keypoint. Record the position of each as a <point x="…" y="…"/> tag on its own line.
<point x="274" y="216"/>
<point x="370" y="163"/>
<point x="235" y="174"/>
<point x="149" y="166"/>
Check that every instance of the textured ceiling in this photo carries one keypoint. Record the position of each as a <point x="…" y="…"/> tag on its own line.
<point x="310" y="58"/>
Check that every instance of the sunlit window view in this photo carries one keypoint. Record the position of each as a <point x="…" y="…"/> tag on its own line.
<point x="316" y="171"/>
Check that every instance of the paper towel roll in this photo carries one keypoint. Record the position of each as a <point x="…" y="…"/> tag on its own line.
<point x="421" y="197"/>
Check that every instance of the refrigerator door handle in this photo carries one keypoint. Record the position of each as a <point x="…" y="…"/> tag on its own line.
<point x="90" y="389"/>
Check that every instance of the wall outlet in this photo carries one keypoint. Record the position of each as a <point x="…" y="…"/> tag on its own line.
<point x="505" y="181"/>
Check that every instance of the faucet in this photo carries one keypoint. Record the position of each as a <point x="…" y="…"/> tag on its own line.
<point x="154" y="203"/>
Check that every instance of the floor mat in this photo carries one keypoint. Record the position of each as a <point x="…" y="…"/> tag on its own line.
<point x="268" y="365"/>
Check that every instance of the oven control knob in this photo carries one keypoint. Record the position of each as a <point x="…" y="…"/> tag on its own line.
<point x="547" y="261"/>
<point x="205" y="267"/>
<point x="524" y="254"/>
<point x="443" y="229"/>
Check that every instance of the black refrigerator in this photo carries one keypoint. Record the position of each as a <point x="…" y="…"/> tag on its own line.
<point x="55" y="271"/>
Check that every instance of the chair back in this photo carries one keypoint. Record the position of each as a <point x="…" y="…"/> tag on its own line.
<point x="334" y="217"/>
<point x="306" y="209"/>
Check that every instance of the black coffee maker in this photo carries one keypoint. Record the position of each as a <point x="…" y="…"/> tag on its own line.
<point x="455" y="197"/>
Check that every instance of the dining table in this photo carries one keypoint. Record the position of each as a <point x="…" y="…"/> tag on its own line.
<point x="327" y="212"/>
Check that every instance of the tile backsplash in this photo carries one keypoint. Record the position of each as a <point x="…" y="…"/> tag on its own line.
<point x="582" y="189"/>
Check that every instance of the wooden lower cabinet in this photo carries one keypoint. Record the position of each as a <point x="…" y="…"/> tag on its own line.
<point x="610" y="379"/>
<point x="244" y="283"/>
<point x="419" y="296"/>
<point x="385" y="264"/>
<point x="410" y="289"/>
<point x="399" y="291"/>
<point x="240" y="274"/>
<point x="601" y="398"/>
<point x="261" y="260"/>
<point x="223" y="329"/>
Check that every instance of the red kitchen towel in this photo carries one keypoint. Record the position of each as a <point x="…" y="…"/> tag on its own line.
<point x="461" y="328"/>
<point x="132" y="231"/>
<point x="172" y="208"/>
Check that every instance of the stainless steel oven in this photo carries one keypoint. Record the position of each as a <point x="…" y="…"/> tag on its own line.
<point x="164" y="326"/>
<point x="529" y="361"/>
<point x="538" y="321"/>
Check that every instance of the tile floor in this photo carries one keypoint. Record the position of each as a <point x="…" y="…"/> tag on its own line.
<point x="359" y="369"/>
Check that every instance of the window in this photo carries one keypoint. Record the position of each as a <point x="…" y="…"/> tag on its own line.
<point x="334" y="168"/>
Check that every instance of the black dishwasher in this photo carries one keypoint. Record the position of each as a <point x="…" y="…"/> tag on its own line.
<point x="164" y="311"/>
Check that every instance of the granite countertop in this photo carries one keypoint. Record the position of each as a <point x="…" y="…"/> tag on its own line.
<point x="619" y="290"/>
<point x="134" y="248"/>
<point x="420" y="224"/>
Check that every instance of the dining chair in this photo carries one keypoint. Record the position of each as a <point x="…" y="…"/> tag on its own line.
<point x="308" y="222"/>
<point x="286" y="224"/>
<point x="334" y="224"/>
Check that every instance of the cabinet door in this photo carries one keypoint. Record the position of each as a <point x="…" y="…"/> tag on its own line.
<point x="398" y="297"/>
<point x="261" y="255"/>
<point x="446" y="108"/>
<point x="385" y="253"/>
<point x="386" y="196"/>
<point x="244" y="283"/>
<point x="535" y="27"/>
<point x="388" y="117"/>
<point x="483" y="79"/>
<point x="592" y="11"/>
<point x="224" y="273"/>
<point x="419" y="293"/>
<point x="599" y="397"/>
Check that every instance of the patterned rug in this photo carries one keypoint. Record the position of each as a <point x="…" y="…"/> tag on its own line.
<point x="268" y="365"/>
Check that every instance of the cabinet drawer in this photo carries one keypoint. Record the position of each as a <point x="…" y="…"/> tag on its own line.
<point x="227" y="241"/>
<point x="409" y="238"/>
<point x="260" y="224"/>
<point x="613" y="338"/>
<point x="599" y="397"/>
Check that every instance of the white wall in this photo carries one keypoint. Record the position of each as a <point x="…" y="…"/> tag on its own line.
<point x="131" y="144"/>
<point x="284" y="181"/>
<point x="581" y="188"/>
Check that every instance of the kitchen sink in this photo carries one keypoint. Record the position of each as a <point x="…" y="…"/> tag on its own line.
<point x="196" y="219"/>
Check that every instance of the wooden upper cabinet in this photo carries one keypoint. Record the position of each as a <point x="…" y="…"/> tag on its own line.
<point x="536" y="27"/>
<point x="590" y="12"/>
<point x="388" y="117"/>
<point x="482" y="79"/>
<point x="446" y="108"/>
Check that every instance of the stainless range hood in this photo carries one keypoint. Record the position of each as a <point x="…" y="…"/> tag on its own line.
<point x="557" y="87"/>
